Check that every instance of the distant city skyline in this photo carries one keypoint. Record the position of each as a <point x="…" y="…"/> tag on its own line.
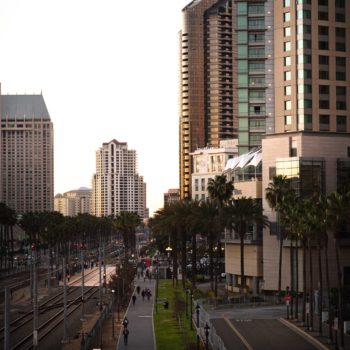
<point x="103" y="76"/>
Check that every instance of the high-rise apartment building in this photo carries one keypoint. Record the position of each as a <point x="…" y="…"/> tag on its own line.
<point x="74" y="202"/>
<point x="116" y="185"/>
<point x="26" y="153"/>
<point x="226" y="81"/>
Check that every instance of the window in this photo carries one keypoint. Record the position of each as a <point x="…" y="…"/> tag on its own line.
<point x="256" y="37"/>
<point x="287" y="105"/>
<point x="304" y="29"/>
<point x="323" y="74"/>
<point x="341" y="123"/>
<point x="341" y="105"/>
<point x="323" y="2"/>
<point x="322" y="30"/>
<point x="242" y="22"/>
<point x="287" y="46"/>
<point x="340" y="46"/>
<point x="287" y="75"/>
<point x="341" y="76"/>
<point x="303" y="103"/>
<point x="242" y="51"/>
<point x="323" y="45"/>
<point x="306" y="59"/>
<point x="324" y="104"/>
<point x="340" y="4"/>
<point x="341" y="91"/>
<point x="242" y="37"/>
<point x="287" y="120"/>
<point x="323" y="60"/>
<point x="256" y="23"/>
<point x="286" y="16"/>
<point x="286" y="31"/>
<point x="286" y="3"/>
<point x="304" y="74"/>
<point x="256" y="66"/>
<point x="340" y="16"/>
<point x="303" y="14"/>
<point x="324" y="122"/>
<point x="287" y="90"/>
<point x="323" y="16"/>
<point x="340" y="32"/>
<point x="242" y="8"/>
<point x="323" y="89"/>
<point x="304" y="44"/>
<point x="242" y="66"/>
<point x="304" y="89"/>
<point x="287" y="61"/>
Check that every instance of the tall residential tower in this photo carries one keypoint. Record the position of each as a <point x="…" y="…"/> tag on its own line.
<point x="117" y="186"/>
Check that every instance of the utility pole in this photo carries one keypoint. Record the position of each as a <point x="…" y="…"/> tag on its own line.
<point x="7" y="320"/>
<point x="64" y="340"/>
<point x="35" y="302"/>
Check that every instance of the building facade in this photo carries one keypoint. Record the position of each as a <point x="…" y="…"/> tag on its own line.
<point x="116" y="185"/>
<point x="26" y="154"/>
<point x="73" y="202"/>
<point x="172" y="196"/>
<point x="207" y="163"/>
<point x="226" y="82"/>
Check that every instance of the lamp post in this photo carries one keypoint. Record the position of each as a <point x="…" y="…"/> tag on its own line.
<point x="206" y="330"/>
<point x="168" y="250"/>
<point x="197" y="312"/>
<point x="113" y="291"/>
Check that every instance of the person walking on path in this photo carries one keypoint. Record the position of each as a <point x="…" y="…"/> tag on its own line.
<point x="125" y="322"/>
<point x="138" y="289"/>
<point x="143" y="294"/>
<point x="125" y="334"/>
<point x="133" y="299"/>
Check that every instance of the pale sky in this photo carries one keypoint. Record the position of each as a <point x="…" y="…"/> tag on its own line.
<point x="107" y="69"/>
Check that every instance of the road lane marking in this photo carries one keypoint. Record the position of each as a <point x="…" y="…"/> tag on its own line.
<point x="239" y="335"/>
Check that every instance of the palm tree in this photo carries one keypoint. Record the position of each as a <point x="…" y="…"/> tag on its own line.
<point x="338" y="216"/>
<point x="7" y="221"/>
<point x="275" y="192"/>
<point x="243" y="213"/>
<point x="220" y="192"/>
<point x="127" y="222"/>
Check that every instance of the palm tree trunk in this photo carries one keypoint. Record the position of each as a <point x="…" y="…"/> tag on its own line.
<point x="211" y="262"/>
<point x="291" y="276"/>
<point x="311" y="287"/>
<point x="279" y="235"/>
<point x="340" y="295"/>
<point x="241" y="235"/>
<point x="297" y="279"/>
<point x="304" y="281"/>
<point x="320" y="294"/>
<point x="330" y="319"/>
<point x="183" y="259"/>
<point x="175" y="264"/>
<point x="194" y="260"/>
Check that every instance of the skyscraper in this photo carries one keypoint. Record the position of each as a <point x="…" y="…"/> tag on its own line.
<point x="226" y="81"/>
<point x="26" y="154"/>
<point x="116" y="185"/>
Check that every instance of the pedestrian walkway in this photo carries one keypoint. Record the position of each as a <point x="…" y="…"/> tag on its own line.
<point x="140" y="316"/>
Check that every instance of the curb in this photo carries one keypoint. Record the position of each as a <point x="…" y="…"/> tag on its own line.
<point x="304" y="334"/>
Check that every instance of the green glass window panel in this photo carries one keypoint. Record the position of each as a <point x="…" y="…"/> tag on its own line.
<point x="242" y="95"/>
<point x="242" y="66"/>
<point x="242" y="22"/>
<point x="242" y="108"/>
<point x="242" y="80"/>
<point x="242" y="8"/>
<point x="243" y="124"/>
<point x="242" y="37"/>
<point x="243" y="138"/>
<point x="242" y="50"/>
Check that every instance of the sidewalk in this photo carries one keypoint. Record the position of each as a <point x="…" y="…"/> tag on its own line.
<point x="140" y="318"/>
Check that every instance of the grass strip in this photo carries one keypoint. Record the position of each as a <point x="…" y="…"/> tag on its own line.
<point x="172" y="328"/>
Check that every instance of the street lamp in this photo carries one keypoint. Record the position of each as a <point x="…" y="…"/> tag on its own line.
<point x="197" y="312"/>
<point x="206" y="329"/>
<point x="113" y="291"/>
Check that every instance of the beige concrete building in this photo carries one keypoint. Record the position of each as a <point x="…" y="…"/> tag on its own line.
<point x="172" y="196"/>
<point x="26" y="153"/>
<point x="116" y="185"/>
<point x="74" y="202"/>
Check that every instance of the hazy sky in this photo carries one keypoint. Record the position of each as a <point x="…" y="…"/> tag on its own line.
<point x="108" y="69"/>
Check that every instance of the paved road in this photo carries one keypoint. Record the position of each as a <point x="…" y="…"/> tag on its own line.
<point x="140" y="316"/>
<point x="259" y="335"/>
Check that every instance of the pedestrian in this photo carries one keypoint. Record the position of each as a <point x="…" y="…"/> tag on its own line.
<point x="138" y="289"/>
<point x="68" y="277"/>
<point x="133" y="299"/>
<point x="125" y="334"/>
<point x="148" y="294"/>
<point x="143" y="294"/>
<point x="125" y="322"/>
